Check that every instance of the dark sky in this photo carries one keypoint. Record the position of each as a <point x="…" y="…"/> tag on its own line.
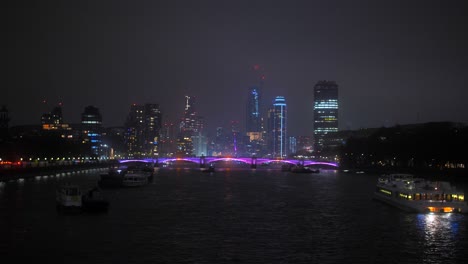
<point x="394" y="61"/>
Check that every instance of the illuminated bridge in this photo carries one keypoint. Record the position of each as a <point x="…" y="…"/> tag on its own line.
<point x="253" y="161"/>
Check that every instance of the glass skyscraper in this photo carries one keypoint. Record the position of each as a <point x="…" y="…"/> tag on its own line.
<point x="325" y="115"/>
<point x="277" y="119"/>
<point x="91" y="121"/>
<point x="253" y="110"/>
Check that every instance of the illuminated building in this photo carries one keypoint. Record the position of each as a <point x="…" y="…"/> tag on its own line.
<point x="191" y="126"/>
<point x="91" y="121"/>
<point x="277" y="128"/>
<point x="325" y="115"/>
<point x="168" y="140"/>
<point x="152" y="128"/>
<point x="143" y="128"/>
<point x="134" y="131"/>
<point x="252" y="123"/>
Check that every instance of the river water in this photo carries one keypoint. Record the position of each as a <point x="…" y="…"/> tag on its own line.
<point x="230" y="216"/>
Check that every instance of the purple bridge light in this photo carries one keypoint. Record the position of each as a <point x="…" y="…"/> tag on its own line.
<point x="248" y="160"/>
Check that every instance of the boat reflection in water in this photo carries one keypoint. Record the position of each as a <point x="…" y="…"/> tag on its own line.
<point x="420" y="195"/>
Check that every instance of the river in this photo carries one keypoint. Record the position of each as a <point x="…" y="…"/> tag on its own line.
<point x="230" y="216"/>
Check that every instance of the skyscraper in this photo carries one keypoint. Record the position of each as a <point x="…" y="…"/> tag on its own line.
<point x="152" y="129"/>
<point x="134" y="131"/>
<point x="252" y="122"/>
<point x="143" y="128"/>
<point x="91" y="121"/>
<point x="192" y="125"/>
<point x="325" y="115"/>
<point x="277" y="128"/>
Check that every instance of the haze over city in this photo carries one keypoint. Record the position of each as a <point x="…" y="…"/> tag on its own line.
<point x="395" y="62"/>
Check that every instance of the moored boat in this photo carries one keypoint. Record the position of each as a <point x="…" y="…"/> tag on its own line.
<point x="419" y="195"/>
<point x="134" y="177"/>
<point x="68" y="197"/>
<point x="211" y="168"/>
<point x="303" y="169"/>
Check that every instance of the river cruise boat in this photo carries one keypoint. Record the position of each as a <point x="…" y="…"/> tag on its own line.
<point x="420" y="195"/>
<point x="68" y="197"/>
<point x="134" y="177"/>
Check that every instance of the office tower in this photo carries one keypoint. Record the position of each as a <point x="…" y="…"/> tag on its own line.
<point x="151" y="130"/>
<point x="168" y="140"/>
<point x="91" y="121"/>
<point x="191" y="126"/>
<point x="325" y="115"/>
<point x="292" y="145"/>
<point x="252" y="122"/>
<point x="190" y="115"/>
<point x="277" y="128"/>
<point x="134" y="131"/>
<point x="143" y="128"/>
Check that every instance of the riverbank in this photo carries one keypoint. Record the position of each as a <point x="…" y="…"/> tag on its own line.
<point x="30" y="172"/>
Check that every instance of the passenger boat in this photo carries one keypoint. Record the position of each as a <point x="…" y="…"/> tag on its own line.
<point x="68" y="197"/>
<point x="94" y="201"/>
<point x="419" y="195"/>
<point x="134" y="177"/>
<point x="127" y="174"/>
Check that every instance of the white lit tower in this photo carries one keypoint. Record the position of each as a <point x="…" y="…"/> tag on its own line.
<point x="277" y="128"/>
<point x="325" y="115"/>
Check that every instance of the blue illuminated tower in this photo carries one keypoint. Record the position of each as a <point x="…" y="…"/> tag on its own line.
<point x="91" y="121"/>
<point x="325" y="115"/>
<point x="253" y="110"/>
<point x="277" y="128"/>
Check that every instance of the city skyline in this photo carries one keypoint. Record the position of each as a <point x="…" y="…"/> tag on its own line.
<point x="395" y="62"/>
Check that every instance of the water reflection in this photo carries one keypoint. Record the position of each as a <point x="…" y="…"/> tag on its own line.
<point x="439" y="232"/>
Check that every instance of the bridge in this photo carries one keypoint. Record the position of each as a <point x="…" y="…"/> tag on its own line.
<point x="253" y="161"/>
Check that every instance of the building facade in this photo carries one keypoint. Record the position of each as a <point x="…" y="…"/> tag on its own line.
<point x="143" y="128"/>
<point x="277" y="128"/>
<point x="325" y="115"/>
<point x="91" y="122"/>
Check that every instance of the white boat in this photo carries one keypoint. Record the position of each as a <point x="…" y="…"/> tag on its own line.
<point x="135" y="177"/>
<point x="420" y="195"/>
<point x="68" y="196"/>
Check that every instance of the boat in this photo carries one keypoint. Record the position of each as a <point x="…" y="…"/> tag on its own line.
<point x="94" y="201"/>
<point x="136" y="176"/>
<point x="68" y="197"/>
<point x="419" y="195"/>
<point x="211" y="168"/>
<point x="303" y="169"/>
<point x="127" y="174"/>
<point x="112" y="179"/>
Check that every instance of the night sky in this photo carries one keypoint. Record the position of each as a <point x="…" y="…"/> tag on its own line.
<point x="395" y="62"/>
